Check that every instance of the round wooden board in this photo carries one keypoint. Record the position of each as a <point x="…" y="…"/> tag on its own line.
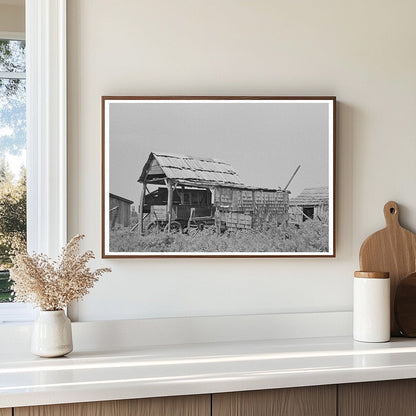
<point x="405" y="306"/>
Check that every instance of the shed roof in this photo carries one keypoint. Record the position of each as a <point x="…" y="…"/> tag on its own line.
<point x="188" y="168"/>
<point x="311" y="196"/>
<point x="120" y="198"/>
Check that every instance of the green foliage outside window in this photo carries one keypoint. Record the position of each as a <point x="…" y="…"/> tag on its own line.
<point x="12" y="148"/>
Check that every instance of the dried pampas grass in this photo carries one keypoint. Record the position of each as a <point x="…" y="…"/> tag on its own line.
<point x="53" y="285"/>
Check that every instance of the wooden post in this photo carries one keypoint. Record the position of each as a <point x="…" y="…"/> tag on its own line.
<point x="217" y="218"/>
<point x="213" y="196"/>
<point x="191" y="217"/>
<point x="170" y="200"/>
<point x="143" y="194"/>
<point x="291" y="178"/>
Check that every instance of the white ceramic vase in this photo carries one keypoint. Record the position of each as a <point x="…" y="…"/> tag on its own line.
<point x="52" y="334"/>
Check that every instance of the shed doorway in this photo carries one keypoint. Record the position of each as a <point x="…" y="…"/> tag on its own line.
<point x="308" y="213"/>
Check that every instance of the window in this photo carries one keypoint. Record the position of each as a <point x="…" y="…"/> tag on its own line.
<point x="12" y="166"/>
<point x="12" y="155"/>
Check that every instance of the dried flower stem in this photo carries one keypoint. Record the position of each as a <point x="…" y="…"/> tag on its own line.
<point x="53" y="285"/>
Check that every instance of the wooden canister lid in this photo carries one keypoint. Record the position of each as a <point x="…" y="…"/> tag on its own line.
<point x="372" y="275"/>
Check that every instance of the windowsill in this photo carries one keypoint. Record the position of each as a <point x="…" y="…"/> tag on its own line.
<point x="151" y="371"/>
<point x="16" y="313"/>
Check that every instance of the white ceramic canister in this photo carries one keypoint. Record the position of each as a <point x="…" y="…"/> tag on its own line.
<point x="371" y="310"/>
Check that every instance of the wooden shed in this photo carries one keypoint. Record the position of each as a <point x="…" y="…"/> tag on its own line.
<point x="119" y="211"/>
<point x="311" y="203"/>
<point x="204" y="191"/>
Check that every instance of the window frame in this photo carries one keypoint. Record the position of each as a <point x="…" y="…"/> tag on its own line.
<point x="46" y="125"/>
<point x="46" y="138"/>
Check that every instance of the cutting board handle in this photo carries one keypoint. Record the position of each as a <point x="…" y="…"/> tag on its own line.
<point x="391" y="214"/>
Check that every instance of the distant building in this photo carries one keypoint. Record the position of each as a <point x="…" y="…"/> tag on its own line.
<point x="119" y="211"/>
<point x="311" y="203"/>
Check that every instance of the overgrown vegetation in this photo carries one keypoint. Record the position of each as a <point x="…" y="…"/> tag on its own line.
<point x="311" y="236"/>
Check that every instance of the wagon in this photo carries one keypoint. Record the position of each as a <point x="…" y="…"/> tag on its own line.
<point x="192" y="210"/>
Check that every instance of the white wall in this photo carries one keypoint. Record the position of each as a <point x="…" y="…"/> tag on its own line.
<point x="12" y="18"/>
<point x="361" y="51"/>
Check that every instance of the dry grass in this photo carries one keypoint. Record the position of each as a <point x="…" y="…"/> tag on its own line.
<point x="311" y="236"/>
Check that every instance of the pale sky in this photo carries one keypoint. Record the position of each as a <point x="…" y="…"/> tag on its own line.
<point x="263" y="141"/>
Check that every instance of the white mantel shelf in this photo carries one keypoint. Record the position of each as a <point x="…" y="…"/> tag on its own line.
<point x="151" y="371"/>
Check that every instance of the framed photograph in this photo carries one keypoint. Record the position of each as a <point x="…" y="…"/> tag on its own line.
<point x="218" y="176"/>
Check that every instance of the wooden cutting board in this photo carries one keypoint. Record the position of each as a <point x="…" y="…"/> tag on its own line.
<point x="393" y="250"/>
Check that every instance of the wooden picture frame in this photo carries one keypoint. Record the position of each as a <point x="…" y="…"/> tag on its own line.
<point x="206" y="176"/>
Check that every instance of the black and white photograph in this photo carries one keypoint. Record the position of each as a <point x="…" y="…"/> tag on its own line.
<point x="218" y="176"/>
